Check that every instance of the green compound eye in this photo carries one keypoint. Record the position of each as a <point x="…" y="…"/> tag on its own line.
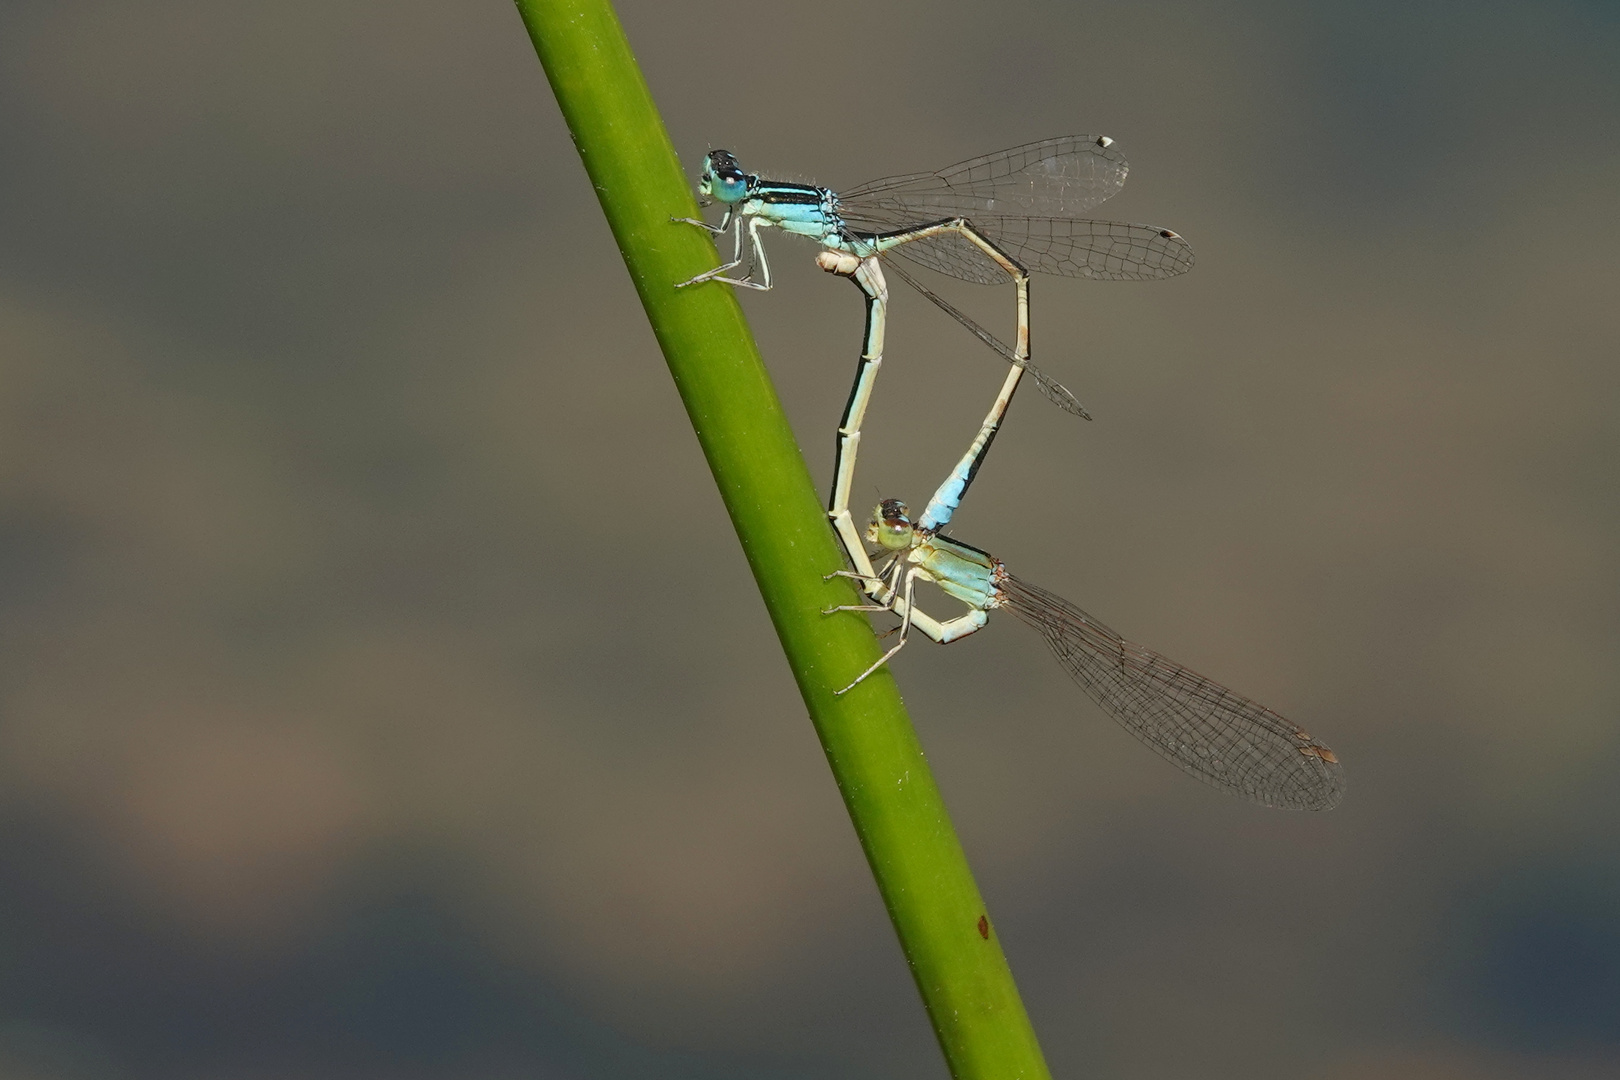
<point x="890" y="525"/>
<point x="895" y="537"/>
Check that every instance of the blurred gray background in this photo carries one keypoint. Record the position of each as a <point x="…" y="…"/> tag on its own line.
<point x="382" y="690"/>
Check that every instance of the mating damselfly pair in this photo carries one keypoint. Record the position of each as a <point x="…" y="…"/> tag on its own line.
<point x="992" y="220"/>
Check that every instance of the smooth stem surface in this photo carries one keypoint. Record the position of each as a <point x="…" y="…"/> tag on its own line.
<point x="875" y="757"/>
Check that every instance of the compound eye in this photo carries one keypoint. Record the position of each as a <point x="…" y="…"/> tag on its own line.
<point x="728" y="181"/>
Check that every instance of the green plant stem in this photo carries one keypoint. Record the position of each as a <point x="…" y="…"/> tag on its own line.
<point x="879" y="766"/>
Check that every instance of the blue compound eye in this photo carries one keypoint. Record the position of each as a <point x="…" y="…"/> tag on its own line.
<point x="726" y="180"/>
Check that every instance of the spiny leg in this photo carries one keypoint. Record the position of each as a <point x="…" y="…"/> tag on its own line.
<point x="725" y="223"/>
<point x="905" y="631"/>
<point x="943" y="632"/>
<point x="756" y="258"/>
<point x="731" y="219"/>
<point x="873" y="584"/>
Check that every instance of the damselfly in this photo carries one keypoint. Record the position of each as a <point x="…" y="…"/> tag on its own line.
<point x="990" y="219"/>
<point x="1224" y="739"/>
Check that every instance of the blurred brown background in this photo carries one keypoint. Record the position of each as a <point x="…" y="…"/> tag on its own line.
<point x="383" y="694"/>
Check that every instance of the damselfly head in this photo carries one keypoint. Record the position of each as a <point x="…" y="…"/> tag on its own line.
<point x="723" y="178"/>
<point x="890" y="526"/>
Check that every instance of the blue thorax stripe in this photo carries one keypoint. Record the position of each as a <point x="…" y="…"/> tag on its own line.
<point x="774" y="193"/>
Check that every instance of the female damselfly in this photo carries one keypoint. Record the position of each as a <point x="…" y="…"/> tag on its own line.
<point x="1222" y="738"/>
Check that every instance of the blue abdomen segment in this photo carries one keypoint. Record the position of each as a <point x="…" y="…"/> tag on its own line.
<point x="937" y="514"/>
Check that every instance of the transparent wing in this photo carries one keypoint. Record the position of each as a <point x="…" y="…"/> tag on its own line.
<point x="1225" y="740"/>
<point x="1073" y="247"/>
<point x="1060" y="177"/>
<point x="1067" y="247"/>
<point x="1027" y="200"/>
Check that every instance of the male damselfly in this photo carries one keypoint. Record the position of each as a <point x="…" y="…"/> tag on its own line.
<point x="990" y="219"/>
